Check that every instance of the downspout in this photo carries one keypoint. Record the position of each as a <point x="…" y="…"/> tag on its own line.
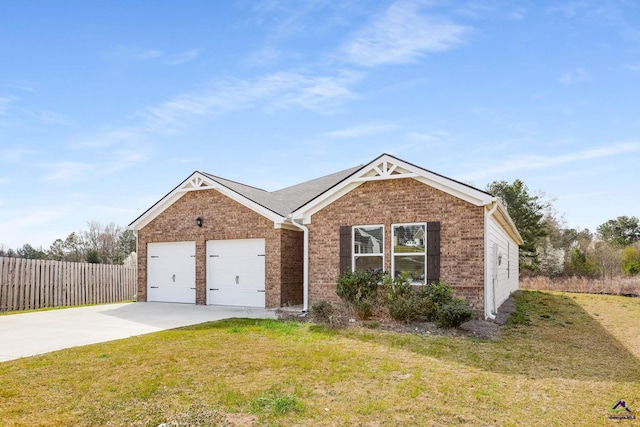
<point x="305" y="263"/>
<point x="489" y="312"/>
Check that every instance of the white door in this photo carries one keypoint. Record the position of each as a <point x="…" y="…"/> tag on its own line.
<point x="236" y="272"/>
<point x="171" y="272"/>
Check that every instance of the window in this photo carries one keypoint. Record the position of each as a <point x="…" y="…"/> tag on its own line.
<point x="409" y="251"/>
<point x="368" y="248"/>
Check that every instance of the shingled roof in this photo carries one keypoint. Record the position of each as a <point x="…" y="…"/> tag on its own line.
<point x="288" y="199"/>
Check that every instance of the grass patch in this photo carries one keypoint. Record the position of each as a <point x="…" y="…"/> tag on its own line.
<point x="276" y="402"/>
<point x="559" y="364"/>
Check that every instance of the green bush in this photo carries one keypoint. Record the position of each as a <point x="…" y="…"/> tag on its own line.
<point x="454" y="313"/>
<point x="432" y="297"/>
<point x="630" y="261"/>
<point x="359" y="291"/>
<point x="401" y="299"/>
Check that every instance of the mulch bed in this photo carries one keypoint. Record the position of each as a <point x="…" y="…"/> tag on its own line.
<point x="477" y="328"/>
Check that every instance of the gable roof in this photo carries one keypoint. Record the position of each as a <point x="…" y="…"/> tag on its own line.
<point x="276" y="205"/>
<point x="302" y="200"/>
<point x="387" y="167"/>
<point x="286" y="200"/>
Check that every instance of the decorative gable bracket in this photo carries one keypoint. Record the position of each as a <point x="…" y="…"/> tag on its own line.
<point x="385" y="169"/>
<point x="197" y="182"/>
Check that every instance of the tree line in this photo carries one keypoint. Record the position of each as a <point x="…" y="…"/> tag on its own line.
<point x="105" y="244"/>
<point x="552" y="249"/>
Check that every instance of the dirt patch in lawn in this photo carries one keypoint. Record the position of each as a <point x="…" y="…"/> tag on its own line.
<point x="476" y="328"/>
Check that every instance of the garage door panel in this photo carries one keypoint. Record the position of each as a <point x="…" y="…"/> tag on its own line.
<point x="171" y="272"/>
<point x="236" y="272"/>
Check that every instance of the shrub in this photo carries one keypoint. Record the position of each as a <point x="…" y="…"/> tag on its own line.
<point x="322" y="311"/>
<point x="401" y="300"/>
<point x="359" y="291"/>
<point x="454" y="313"/>
<point x="432" y="297"/>
<point x="630" y="261"/>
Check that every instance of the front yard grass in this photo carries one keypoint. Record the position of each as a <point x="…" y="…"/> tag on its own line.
<point x="564" y="360"/>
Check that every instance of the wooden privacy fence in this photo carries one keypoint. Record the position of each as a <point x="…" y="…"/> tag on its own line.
<point x="36" y="283"/>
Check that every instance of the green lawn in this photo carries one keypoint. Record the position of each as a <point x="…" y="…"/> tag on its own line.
<point x="567" y="359"/>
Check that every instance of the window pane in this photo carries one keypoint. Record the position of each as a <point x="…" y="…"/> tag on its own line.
<point x="368" y="263"/>
<point x="368" y="240"/>
<point x="408" y="238"/>
<point x="413" y="265"/>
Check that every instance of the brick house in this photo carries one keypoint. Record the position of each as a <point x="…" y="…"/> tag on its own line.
<point x="215" y="241"/>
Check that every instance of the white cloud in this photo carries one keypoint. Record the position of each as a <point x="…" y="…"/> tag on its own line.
<point x="577" y="75"/>
<point x="534" y="162"/>
<point x="280" y="90"/>
<point x="24" y="85"/>
<point x="67" y="171"/>
<point x="49" y="117"/>
<point x="362" y="130"/>
<point x="428" y="137"/>
<point x="13" y="155"/>
<point x="4" y="105"/>
<point x="183" y="57"/>
<point x="4" y="181"/>
<point x="631" y="67"/>
<point x="569" y="9"/>
<point x="134" y="53"/>
<point x="402" y="34"/>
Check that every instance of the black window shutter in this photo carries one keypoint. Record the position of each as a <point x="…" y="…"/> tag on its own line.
<point x="433" y="252"/>
<point x="345" y="248"/>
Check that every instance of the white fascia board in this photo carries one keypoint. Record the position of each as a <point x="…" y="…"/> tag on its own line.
<point x="203" y="183"/>
<point x="502" y="217"/>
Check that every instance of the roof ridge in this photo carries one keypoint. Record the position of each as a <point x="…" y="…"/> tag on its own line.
<point x="232" y="181"/>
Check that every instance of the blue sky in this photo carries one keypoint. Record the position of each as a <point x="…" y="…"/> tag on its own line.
<point x="105" y="106"/>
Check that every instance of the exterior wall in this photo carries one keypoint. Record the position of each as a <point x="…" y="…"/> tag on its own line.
<point x="506" y="274"/>
<point x="223" y="218"/>
<point x="401" y="201"/>
<point x="291" y="267"/>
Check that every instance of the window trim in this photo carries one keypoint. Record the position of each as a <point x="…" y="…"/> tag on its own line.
<point x="353" y="245"/>
<point x="393" y="249"/>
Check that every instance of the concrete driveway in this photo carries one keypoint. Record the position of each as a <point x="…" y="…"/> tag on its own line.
<point x="28" y="334"/>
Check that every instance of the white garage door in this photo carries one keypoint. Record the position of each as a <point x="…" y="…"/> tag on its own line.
<point x="235" y="272"/>
<point x="171" y="272"/>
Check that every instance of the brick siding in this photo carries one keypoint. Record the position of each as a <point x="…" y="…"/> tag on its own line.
<point x="224" y="218"/>
<point x="401" y="201"/>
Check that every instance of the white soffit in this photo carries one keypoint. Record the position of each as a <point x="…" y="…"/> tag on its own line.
<point x="197" y="182"/>
<point x="387" y="167"/>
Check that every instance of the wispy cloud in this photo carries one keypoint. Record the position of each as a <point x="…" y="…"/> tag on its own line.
<point x="13" y="155"/>
<point x="362" y="130"/>
<point x="569" y="9"/>
<point x="49" y="117"/>
<point x="577" y="75"/>
<point x="24" y="85"/>
<point x="428" y="137"/>
<point x="280" y="90"/>
<point x="535" y="162"/>
<point x="4" y="181"/>
<point x="4" y="104"/>
<point x="403" y="33"/>
<point x="28" y="220"/>
<point x="631" y="67"/>
<point x="182" y="57"/>
<point x="135" y="53"/>
<point x="66" y="171"/>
